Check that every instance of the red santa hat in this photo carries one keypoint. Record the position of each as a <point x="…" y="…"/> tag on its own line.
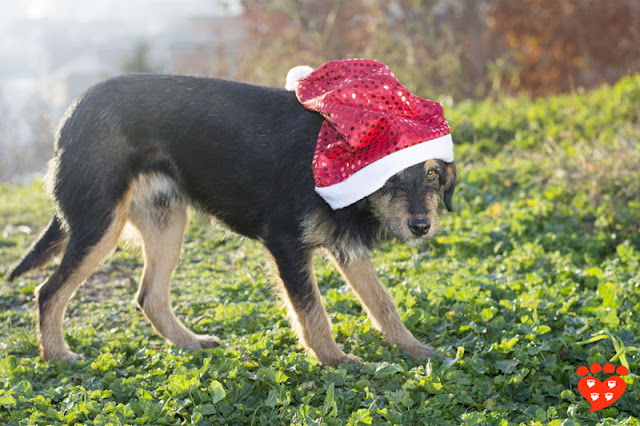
<point x="374" y="127"/>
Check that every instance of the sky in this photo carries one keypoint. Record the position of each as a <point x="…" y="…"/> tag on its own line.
<point x="28" y="27"/>
<point x="47" y="46"/>
<point x="83" y="10"/>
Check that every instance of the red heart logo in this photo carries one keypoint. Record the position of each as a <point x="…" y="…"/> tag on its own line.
<point x="601" y="394"/>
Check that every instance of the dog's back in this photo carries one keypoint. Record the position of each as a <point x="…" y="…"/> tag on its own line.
<point x="222" y="142"/>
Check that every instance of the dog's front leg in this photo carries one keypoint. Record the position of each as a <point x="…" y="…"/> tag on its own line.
<point x="306" y="312"/>
<point x="382" y="310"/>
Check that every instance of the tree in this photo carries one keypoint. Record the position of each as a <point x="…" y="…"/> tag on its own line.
<point x="454" y="47"/>
<point x="559" y="45"/>
<point x="414" y="37"/>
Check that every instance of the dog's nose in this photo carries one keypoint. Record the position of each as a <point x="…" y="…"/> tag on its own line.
<point x="419" y="226"/>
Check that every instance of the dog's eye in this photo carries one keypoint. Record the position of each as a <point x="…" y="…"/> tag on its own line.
<point x="431" y="174"/>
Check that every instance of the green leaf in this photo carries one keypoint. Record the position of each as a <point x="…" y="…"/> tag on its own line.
<point x="180" y="384"/>
<point x="607" y="291"/>
<point x="595" y="338"/>
<point x="217" y="391"/>
<point x="507" y="366"/>
<point x="409" y="300"/>
<point x="450" y="362"/>
<point x="272" y="399"/>
<point x="205" y="367"/>
<point x="543" y="329"/>
<point x="507" y="346"/>
<point x="330" y="406"/>
<point x="206" y="409"/>
<point x="24" y="389"/>
<point x="488" y="313"/>
<point x="362" y="416"/>
<point x="196" y="417"/>
<point x="386" y="369"/>
<point x="7" y="400"/>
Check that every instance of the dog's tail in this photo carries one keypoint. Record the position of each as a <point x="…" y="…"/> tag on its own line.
<point x="50" y="243"/>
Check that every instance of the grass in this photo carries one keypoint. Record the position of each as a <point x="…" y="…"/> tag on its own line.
<point x="535" y="274"/>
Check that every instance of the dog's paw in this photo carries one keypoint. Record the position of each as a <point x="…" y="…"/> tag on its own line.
<point x="417" y="350"/>
<point x="350" y="359"/>
<point x="68" y="357"/>
<point x="204" y="342"/>
<point x="340" y="359"/>
<point x="72" y="358"/>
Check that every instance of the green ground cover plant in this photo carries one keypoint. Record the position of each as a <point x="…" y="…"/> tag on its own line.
<point x="536" y="273"/>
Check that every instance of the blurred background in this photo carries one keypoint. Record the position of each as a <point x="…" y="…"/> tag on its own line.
<point x="447" y="50"/>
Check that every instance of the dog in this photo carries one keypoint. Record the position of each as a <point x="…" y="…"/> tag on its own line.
<point x="143" y="149"/>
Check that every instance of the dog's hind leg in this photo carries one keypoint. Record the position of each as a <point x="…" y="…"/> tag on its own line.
<point x="89" y="243"/>
<point x="160" y="215"/>
<point x="382" y="310"/>
<point x="308" y="317"/>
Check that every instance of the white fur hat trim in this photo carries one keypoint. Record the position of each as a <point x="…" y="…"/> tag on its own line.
<point x="295" y="74"/>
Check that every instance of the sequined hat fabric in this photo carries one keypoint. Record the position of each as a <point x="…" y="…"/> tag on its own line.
<point x="374" y="128"/>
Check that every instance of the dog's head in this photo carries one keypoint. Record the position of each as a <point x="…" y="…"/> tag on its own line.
<point x="407" y="205"/>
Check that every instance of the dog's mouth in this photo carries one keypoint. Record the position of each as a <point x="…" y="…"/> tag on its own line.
<point x="418" y="240"/>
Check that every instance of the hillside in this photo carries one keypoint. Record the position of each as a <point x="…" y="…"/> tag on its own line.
<point x="536" y="273"/>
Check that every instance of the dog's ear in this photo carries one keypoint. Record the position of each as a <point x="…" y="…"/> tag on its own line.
<point x="449" y="184"/>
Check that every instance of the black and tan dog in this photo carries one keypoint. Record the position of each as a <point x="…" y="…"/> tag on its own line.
<point x="142" y="148"/>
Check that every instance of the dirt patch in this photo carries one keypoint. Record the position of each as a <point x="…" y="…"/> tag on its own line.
<point x="95" y="289"/>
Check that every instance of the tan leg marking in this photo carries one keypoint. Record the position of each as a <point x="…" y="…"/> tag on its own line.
<point x="162" y="234"/>
<point x="312" y="325"/>
<point x="53" y="346"/>
<point x="380" y="306"/>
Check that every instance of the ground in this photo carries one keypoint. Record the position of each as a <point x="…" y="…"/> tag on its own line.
<point x="535" y="274"/>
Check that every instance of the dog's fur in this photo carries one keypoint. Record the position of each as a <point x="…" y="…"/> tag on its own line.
<point x="142" y="148"/>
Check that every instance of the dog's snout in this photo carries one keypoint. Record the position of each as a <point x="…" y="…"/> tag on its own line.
<point x="419" y="226"/>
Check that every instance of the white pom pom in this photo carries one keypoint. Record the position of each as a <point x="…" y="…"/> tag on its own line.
<point x="295" y="74"/>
